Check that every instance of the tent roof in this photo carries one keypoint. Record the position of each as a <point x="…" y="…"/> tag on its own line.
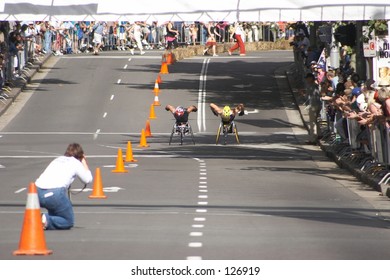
<point x="198" y="10"/>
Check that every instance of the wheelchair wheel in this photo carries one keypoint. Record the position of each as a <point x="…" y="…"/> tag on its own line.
<point x="218" y="134"/>
<point x="173" y="132"/>
<point x="192" y="134"/>
<point x="236" y="133"/>
<point x="226" y="129"/>
<point x="181" y="136"/>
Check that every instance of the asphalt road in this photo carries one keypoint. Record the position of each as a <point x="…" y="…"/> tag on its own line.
<point x="269" y="198"/>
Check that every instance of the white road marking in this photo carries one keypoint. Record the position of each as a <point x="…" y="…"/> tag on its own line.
<point x="2" y="166"/>
<point x="203" y="178"/>
<point x="124" y="67"/>
<point x="194" y="258"/>
<point x="255" y="111"/>
<point x="129" y="59"/>
<point x="203" y="170"/>
<point x="89" y="156"/>
<point x="198" y="226"/>
<point x="132" y="165"/>
<point x="112" y="57"/>
<point x="112" y="97"/>
<point x="201" y="219"/>
<point x="104" y="115"/>
<point x="195" y="244"/>
<point x="202" y="183"/>
<point x="20" y="190"/>
<point x="119" y="81"/>
<point x="95" y="136"/>
<point x="201" y="117"/>
<point x="203" y="203"/>
<point x="203" y="173"/>
<point x="203" y="187"/>
<point x="201" y="210"/>
<point x="203" y="196"/>
<point x="203" y="191"/>
<point x="196" y="234"/>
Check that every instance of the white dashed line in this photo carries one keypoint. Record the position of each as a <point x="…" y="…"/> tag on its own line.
<point x="2" y="166"/>
<point x="104" y="115"/>
<point x="203" y="203"/>
<point x="203" y="187"/>
<point x="112" y="97"/>
<point x="195" y="244"/>
<point x="203" y="183"/>
<point x="199" y="219"/>
<point x="201" y="210"/>
<point x="203" y="196"/>
<point x="129" y="59"/>
<point x="198" y="226"/>
<point x="20" y="190"/>
<point x="95" y="136"/>
<point x="203" y="178"/>
<point x="203" y="173"/>
<point x="203" y="170"/>
<point x="194" y="258"/>
<point x="119" y="81"/>
<point x="196" y="234"/>
<point x="203" y="191"/>
<point x="124" y="67"/>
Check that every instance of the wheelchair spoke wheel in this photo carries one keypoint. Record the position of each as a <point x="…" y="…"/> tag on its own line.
<point x="192" y="134"/>
<point x="236" y="134"/>
<point x="218" y="134"/>
<point x="225" y="133"/>
<point x="173" y="132"/>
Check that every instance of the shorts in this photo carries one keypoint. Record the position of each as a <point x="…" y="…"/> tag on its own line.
<point x="97" y="38"/>
<point x="211" y="43"/>
<point x="122" y="36"/>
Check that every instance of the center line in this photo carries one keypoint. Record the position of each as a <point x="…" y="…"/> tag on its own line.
<point x="195" y="244"/>
<point x="203" y="178"/>
<point x="112" y="97"/>
<point x="203" y="187"/>
<point x="199" y="219"/>
<point x="104" y="115"/>
<point x="203" y="174"/>
<point x="124" y="67"/>
<point x="203" y="170"/>
<point x="196" y="234"/>
<point x="198" y="226"/>
<point x="204" y="191"/>
<point x="201" y="210"/>
<point x="20" y="190"/>
<point x="203" y="196"/>
<point x="119" y="81"/>
<point x="202" y="203"/>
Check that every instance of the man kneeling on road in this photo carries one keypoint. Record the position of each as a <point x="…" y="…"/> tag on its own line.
<point x="54" y="183"/>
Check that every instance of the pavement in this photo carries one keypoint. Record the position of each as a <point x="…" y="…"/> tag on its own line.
<point x="271" y="197"/>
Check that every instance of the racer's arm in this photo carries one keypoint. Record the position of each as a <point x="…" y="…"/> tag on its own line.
<point x="192" y="108"/>
<point x="170" y="108"/>
<point x="215" y="109"/>
<point x="239" y="110"/>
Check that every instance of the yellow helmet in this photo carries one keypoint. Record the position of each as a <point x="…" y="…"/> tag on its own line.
<point x="226" y="113"/>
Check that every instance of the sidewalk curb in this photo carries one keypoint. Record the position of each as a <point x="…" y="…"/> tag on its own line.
<point x="20" y="85"/>
<point x="329" y="152"/>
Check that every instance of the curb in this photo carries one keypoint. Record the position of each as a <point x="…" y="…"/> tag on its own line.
<point x="20" y="85"/>
<point x="327" y="148"/>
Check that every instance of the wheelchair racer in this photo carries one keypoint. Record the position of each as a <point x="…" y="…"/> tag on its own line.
<point x="180" y="113"/>
<point x="226" y="113"/>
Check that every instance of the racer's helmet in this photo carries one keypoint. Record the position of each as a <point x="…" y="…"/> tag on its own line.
<point x="226" y="113"/>
<point x="179" y="111"/>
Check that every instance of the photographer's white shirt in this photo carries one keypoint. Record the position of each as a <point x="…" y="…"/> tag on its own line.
<point x="61" y="172"/>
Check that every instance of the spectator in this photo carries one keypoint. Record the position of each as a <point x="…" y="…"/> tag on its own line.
<point x="171" y="37"/>
<point x="98" y="29"/>
<point x="237" y="35"/>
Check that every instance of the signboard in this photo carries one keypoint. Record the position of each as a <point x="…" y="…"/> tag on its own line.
<point x="382" y="61"/>
<point x="369" y="48"/>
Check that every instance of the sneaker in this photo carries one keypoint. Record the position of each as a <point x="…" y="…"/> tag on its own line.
<point x="215" y="55"/>
<point x="142" y="53"/>
<point x="44" y="221"/>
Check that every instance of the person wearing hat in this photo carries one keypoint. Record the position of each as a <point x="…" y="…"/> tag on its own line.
<point x="312" y="93"/>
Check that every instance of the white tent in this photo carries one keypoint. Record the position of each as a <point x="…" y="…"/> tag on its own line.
<point x="195" y="10"/>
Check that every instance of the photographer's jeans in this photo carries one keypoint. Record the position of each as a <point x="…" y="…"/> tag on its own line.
<point x="60" y="211"/>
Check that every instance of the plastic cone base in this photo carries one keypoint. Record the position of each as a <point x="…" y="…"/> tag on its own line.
<point x="120" y="168"/>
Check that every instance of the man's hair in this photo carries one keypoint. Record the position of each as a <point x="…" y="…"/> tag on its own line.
<point x="74" y="150"/>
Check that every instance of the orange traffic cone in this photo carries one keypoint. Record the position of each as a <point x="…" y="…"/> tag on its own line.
<point x="164" y="68"/>
<point x="142" y="142"/>
<point x="148" y="133"/>
<point x="156" y="87"/>
<point x="97" y="189"/>
<point x="120" y="168"/>
<point x="129" y="153"/>
<point x="152" y="114"/>
<point x="169" y="59"/>
<point x="32" y="239"/>
<point x="156" y="101"/>
<point x="159" y="80"/>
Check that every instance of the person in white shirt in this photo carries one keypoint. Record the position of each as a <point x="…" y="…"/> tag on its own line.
<point x="53" y="185"/>
<point x="237" y="35"/>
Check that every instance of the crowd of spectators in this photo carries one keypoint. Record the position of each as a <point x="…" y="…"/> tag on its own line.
<point x="350" y="107"/>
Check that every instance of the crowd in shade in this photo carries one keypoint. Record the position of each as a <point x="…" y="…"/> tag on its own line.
<point x="342" y="107"/>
